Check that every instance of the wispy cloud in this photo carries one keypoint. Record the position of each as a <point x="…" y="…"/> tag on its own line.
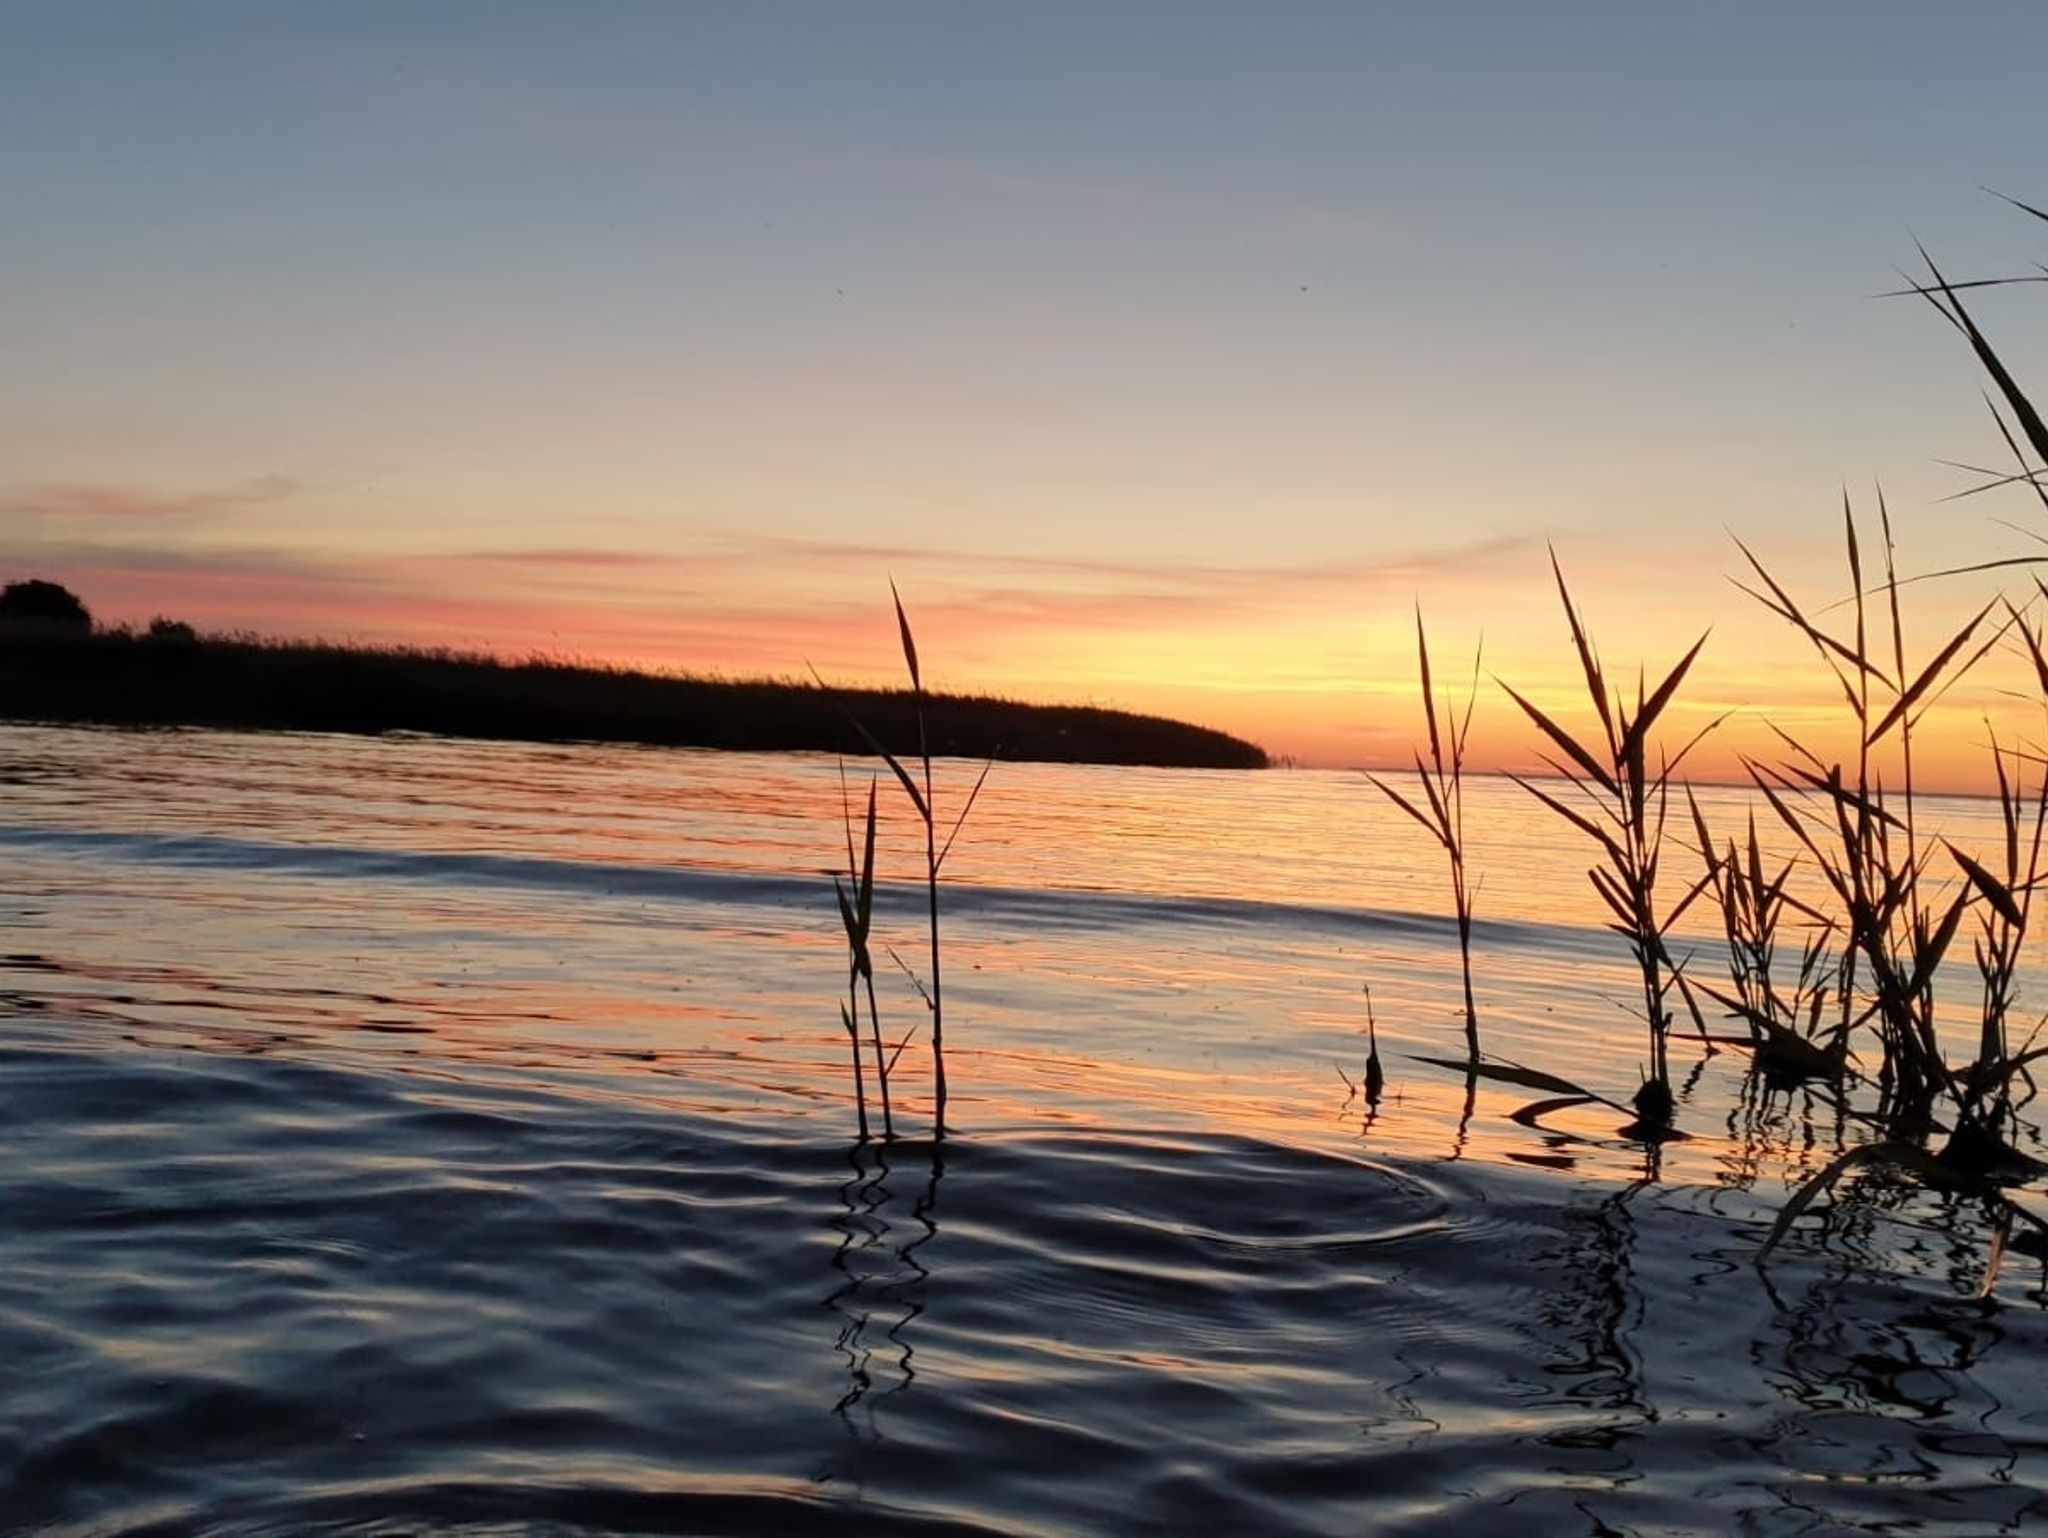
<point x="556" y="558"/>
<point x="119" y="504"/>
<point x="1045" y="625"/>
<point x="745" y="585"/>
<point x="1062" y="587"/>
<point x="1311" y="658"/>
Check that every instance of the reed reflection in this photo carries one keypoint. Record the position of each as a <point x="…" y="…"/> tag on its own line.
<point x="1774" y="1125"/>
<point x="1842" y="1351"/>
<point x="1589" y="1320"/>
<point x="883" y="1280"/>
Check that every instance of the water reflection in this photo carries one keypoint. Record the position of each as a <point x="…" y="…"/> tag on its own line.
<point x="882" y="1291"/>
<point x="1589" y="1319"/>
<point x="1237" y="1289"/>
<point x="1773" y="1127"/>
<point x="1846" y="1350"/>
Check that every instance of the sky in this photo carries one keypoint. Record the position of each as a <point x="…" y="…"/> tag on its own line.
<point x="1164" y="356"/>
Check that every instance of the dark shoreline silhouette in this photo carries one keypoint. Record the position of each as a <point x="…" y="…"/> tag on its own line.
<point x="121" y="678"/>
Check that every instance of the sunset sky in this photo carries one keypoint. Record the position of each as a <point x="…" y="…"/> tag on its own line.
<point x="1164" y="355"/>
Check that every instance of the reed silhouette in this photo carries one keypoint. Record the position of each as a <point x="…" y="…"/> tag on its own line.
<point x="918" y="787"/>
<point x="1878" y="902"/>
<point x="1442" y="809"/>
<point x="1615" y="798"/>
<point x="856" y="911"/>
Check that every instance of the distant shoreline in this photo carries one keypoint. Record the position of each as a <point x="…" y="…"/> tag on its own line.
<point x="117" y="678"/>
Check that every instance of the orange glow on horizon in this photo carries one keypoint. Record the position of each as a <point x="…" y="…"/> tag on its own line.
<point x="1316" y="665"/>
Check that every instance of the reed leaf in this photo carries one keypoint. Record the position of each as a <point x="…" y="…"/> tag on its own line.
<point x="874" y="744"/>
<point x="1617" y="901"/>
<point x="1994" y="891"/>
<point x="1576" y="818"/>
<point x="1596" y="682"/>
<point x="909" y="642"/>
<point x="1780" y="603"/>
<point x="1565" y="741"/>
<point x="2025" y="208"/>
<point x="903" y="775"/>
<point x="1436" y="750"/>
<point x="2027" y="472"/>
<point x="1692" y="742"/>
<point x="860" y="1091"/>
<point x="865" y="903"/>
<point x="1692" y="895"/>
<point x="1855" y="548"/>
<point x="1428" y="781"/>
<point x="1935" y="946"/>
<point x="1788" y="1052"/>
<point x="966" y="807"/>
<point x="2022" y="408"/>
<point x="846" y="914"/>
<point x="1409" y="807"/>
<point x="1532" y="1114"/>
<point x="1927" y="676"/>
<point x="1647" y="713"/>
<point x="1520" y="1077"/>
<point x="2033" y="641"/>
<point x="1864" y="804"/>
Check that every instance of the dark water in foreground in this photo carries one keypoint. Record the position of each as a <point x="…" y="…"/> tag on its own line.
<point x="391" y="1141"/>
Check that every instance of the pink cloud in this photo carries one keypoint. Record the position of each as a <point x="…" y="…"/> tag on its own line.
<point x="1140" y="635"/>
<point x="72" y="504"/>
<point x="757" y="598"/>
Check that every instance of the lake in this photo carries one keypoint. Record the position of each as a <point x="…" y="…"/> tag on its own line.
<point x="412" y="1135"/>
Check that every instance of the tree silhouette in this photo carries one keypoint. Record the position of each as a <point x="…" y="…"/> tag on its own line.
<point x="43" y="605"/>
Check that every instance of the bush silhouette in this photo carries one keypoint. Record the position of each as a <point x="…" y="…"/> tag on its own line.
<point x="43" y="605"/>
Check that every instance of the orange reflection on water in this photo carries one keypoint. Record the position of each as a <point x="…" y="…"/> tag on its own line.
<point x="1123" y="949"/>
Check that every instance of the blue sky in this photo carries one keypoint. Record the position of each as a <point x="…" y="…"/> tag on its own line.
<point x="1164" y="354"/>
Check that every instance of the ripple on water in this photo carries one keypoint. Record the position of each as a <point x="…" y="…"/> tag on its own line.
<point x="234" y="1302"/>
<point x="245" y="1294"/>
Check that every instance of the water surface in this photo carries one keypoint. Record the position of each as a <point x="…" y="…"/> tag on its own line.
<point x="411" y="1135"/>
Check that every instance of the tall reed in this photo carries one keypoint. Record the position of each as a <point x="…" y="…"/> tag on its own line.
<point x="1862" y="830"/>
<point x="1621" y="805"/>
<point x="918" y="788"/>
<point x="1753" y="898"/>
<point x="1443" y="810"/>
<point x="1988" y="1105"/>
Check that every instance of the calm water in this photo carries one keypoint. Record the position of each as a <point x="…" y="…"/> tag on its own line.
<point x="410" y="1136"/>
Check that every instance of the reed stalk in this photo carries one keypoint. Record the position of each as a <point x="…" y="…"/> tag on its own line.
<point x="1375" y="1074"/>
<point x="1862" y="831"/>
<point x="856" y="912"/>
<point x="1620" y="802"/>
<point x="1442" y="811"/>
<point x="1753" y="899"/>
<point x="1876" y="867"/>
<point x="1989" y="1105"/>
<point x="922" y="800"/>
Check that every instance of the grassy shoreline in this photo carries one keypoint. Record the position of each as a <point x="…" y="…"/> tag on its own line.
<point x="119" y="678"/>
